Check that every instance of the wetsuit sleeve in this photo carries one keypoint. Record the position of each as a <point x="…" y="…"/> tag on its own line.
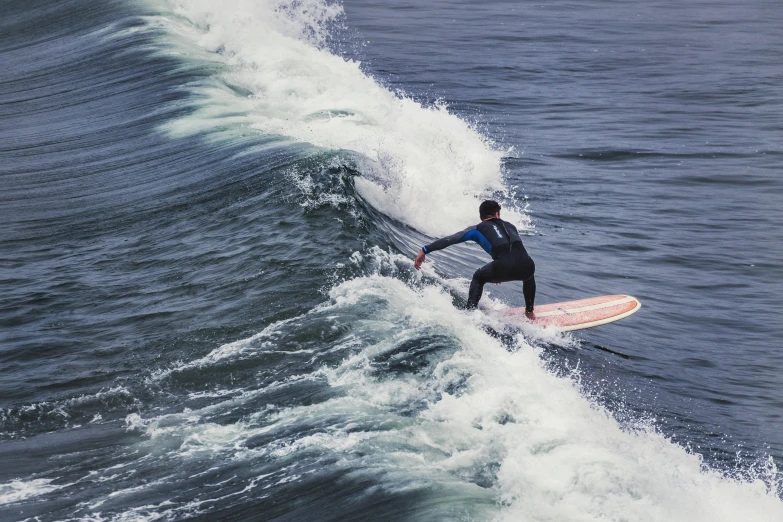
<point x="439" y="244"/>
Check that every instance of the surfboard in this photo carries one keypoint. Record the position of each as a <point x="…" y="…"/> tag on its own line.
<point x="584" y="313"/>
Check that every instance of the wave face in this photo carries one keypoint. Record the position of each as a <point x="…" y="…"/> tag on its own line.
<point x="210" y="309"/>
<point x="421" y="166"/>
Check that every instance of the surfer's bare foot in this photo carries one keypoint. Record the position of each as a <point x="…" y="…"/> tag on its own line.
<point x="530" y="315"/>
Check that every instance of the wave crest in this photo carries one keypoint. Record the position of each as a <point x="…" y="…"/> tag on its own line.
<point x="423" y="166"/>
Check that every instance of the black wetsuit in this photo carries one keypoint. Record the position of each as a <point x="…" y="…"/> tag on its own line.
<point x="511" y="261"/>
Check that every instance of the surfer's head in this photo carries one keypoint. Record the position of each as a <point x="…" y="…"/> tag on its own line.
<point x="488" y="209"/>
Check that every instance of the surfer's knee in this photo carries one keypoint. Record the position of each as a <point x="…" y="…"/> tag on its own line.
<point x="481" y="276"/>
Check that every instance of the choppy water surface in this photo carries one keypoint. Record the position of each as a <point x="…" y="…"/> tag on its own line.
<point x="207" y="302"/>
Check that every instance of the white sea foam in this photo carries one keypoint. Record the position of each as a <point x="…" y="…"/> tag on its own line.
<point x="18" y="490"/>
<point x="560" y="456"/>
<point x="492" y="423"/>
<point x="233" y="350"/>
<point x="421" y="165"/>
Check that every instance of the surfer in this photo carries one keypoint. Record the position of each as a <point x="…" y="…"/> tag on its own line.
<point x="500" y="239"/>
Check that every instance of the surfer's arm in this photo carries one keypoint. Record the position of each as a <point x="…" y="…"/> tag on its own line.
<point x="440" y="244"/>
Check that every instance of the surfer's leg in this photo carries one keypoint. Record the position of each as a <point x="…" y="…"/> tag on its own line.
<point x="527" y="275"/>
<point x="529" y="291"/>
<point x="482" y="276"/>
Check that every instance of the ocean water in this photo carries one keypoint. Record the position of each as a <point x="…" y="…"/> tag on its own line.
<point x="209" y="210"/>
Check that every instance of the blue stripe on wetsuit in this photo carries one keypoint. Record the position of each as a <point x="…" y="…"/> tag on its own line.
<point x="478" y="237"/>
<point x="470" y="235"/>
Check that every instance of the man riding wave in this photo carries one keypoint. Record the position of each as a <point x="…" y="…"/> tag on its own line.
<point x="500" y="239"/>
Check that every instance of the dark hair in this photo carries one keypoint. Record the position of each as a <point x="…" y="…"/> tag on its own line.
<point x="488" y="209"/>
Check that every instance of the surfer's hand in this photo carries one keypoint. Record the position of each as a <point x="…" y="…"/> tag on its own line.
<point x="530" y="315"/>
<point x="419" y="260"/>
